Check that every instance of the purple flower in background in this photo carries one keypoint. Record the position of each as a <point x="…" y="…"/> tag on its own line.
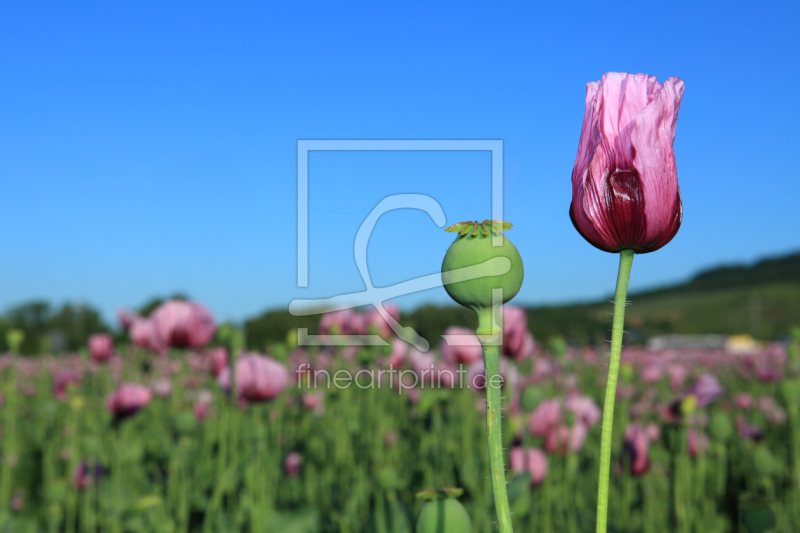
<point x="101" y="347"/>
<point x="259" y="378"/>
<point x="625" y="182"/>
<point x="585" y="410"/>
<point x="182" y="324"/>
<point x="637" y="448"/>
<point x="63" y="382"/>
<point x="706" y="389"/>
<point x="375" y="322"/>
<point x="545" y="417"/>
<point x="128" y="399"/>
<point x="531" y="460"/>
<point x="465" y="348"/>
<point x="292" y="464"/>
<point x="748" y="431"/>
<point x="744" y="401"/>
<point x="696" y="442"/>
<point x="517" y="340"/>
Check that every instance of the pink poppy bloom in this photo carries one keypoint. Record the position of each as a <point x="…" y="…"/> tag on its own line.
<point x="375" y="323"/>
<point x="696" y="442"/>
<point x="545" y="417"/>
<point x="128" y="399"/>
<point x="461" y="346"/>
<point x="101" y="347"/>
<point x="625" y="182"/>
<point x="314" y="401"/>
<point x="63" y="382"/>
<point x="342" y="322"/>
<point x="652" y="373"/>
<point x="653" y="431"/>
<point x="531" y="460"/>
<point x="144" y="335"/>
<point x="564" y="439"/>
<point x="126" y="318"/>
<point x="260" y="378"/>
<point x="203" y="405"/>
<point x="398" y="355"/>
<point x="183" y="324"/>
<point x="517" y="340"/>
<point x="292" y="464"/>
<point x="162" y="387"/>
<point x="219" y="360"/>
<point x="585" y="410"/>
<point x="744" y="401"/>
<point x="637" y="445"/>
<point x="677" y="375"/>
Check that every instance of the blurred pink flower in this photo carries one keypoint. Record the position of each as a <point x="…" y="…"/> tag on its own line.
<point x="545" y="417"/>
<point x="126" y="318"/>
<point x="219" y="360"/>
<point x="63" y="382"/>
<point x="653" y="431"/>
<point x="374" y="322"/>
<point x="144" y="335"/>
<point x="461" y="346"/>
<point x="314" y="401"/>
<point x="128" y="399"/>
<point x="101" y="347"/>
<point x="637" y="445"/>
<point x="564" y="439"/>
<point x="652" y="373"/>
<point x="744" y="401"/>
<point x="696" y="442"/>
<point x="183" y="324"/>
<point x="677" y="375"/>
<point x="340" y="322"/>
<point x="396" y="358"/>
<point x="162" y="387"/>
<point x="625" y="182"/>
<point x="292" y="464"/>
<point x="585" y="410"/>
<point x="202" y="406"/>
<point x="517" y="340"/>
<point x="531" y="460"/>
<point x="259" y="378"/>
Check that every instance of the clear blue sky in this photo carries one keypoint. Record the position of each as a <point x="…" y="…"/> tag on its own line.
<point x="150" y="147"/>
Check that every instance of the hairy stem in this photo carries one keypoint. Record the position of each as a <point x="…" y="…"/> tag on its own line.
<point x="488" y="333"/>
<point x="625" y="262"/>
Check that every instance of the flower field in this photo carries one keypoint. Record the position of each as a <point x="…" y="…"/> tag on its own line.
<point x="185" y="429"/>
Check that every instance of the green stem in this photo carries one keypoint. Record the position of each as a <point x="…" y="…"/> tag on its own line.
<point x="488" y="333"/>
<point x="625" y="262"/>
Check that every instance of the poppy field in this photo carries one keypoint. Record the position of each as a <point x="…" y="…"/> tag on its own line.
<point x="167" y="432"/>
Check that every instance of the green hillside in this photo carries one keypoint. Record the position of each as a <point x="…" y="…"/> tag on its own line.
<point x="762" y="300"/>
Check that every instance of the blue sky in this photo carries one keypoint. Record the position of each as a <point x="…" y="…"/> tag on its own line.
<point x="149" y="148"/>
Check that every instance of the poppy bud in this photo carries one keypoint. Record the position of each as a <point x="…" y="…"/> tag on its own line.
<point x="625" y="182"/>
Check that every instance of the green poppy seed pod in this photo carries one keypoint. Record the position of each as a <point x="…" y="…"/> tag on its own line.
<point x="488" y="267"/>
<point x="443" y="516"/>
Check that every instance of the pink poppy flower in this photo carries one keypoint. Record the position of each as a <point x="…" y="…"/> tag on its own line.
<point x="625" y="182"/>
<point x="101" y="347"/>
<point x="461" y="346"/>
<point x="128" y="399"/>
<point x="183" y="324"/>
<point x="260" y="378"/>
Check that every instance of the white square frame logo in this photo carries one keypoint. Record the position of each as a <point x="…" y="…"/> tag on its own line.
<point x="376" y="296"/>
<point x="305" y="146"/>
